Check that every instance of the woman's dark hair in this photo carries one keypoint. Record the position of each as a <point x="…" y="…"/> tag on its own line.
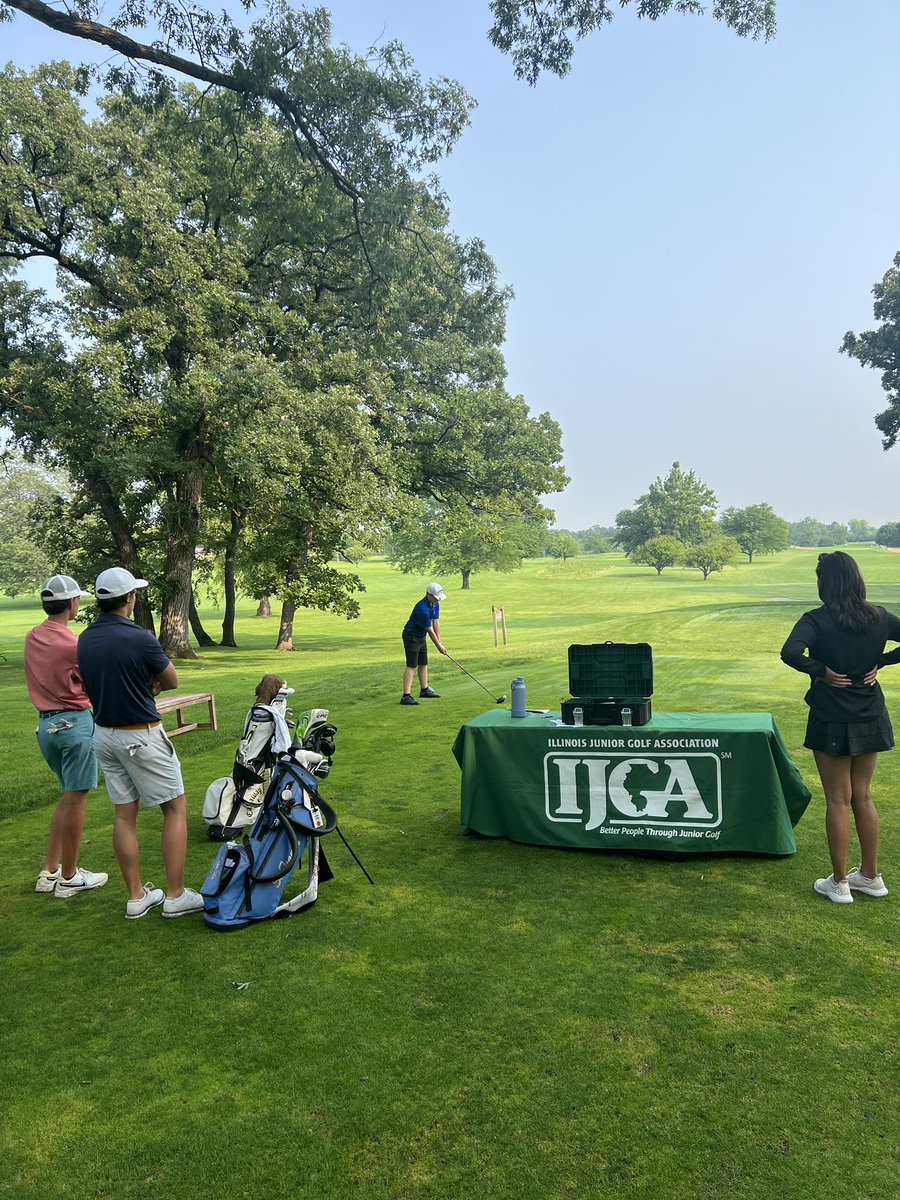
<point x="843" y="592"/>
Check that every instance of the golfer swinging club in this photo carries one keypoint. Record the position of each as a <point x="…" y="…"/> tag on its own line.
<point x="424" y="622"/>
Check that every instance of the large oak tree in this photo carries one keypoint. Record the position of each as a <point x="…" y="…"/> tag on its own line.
<point x="214" y="285"/>
<point x="681" y="506"/>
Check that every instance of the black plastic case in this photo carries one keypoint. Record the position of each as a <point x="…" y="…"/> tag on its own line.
<point x="605" y="712"/>
<point x="606" y="677"/>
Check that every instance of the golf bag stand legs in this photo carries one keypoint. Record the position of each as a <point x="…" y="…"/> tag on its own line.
<point x="309" y="895"/>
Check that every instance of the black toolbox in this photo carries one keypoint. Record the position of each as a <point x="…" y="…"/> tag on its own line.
<point x="608" y="679"/>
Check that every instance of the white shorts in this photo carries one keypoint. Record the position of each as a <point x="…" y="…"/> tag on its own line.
<point x="138" y="764"/>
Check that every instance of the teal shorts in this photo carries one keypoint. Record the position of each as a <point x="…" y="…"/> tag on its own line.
<point x="67" y="743"/>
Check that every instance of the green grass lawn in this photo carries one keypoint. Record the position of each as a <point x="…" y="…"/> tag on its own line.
<point x="491" y="1019"/>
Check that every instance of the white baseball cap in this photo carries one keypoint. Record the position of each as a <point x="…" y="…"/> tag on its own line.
<point x="61" y="587"/>
<point x="435" y="589"/>
<point x="116" y="581"/>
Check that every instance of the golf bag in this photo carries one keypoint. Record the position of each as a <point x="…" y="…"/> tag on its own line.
<point x="233" y="801"/>
<point x="247" y="880"/>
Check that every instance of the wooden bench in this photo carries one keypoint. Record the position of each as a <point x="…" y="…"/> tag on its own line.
<point x="167" y="704"/>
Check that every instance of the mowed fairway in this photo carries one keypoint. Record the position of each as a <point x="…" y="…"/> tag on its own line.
<point x="491" y="1019"/>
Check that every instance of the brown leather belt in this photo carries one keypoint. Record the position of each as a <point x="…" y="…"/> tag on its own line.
<point x="143" y="725"/>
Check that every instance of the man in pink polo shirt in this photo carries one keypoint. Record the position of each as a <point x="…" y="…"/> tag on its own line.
<point x="65" y="735"/>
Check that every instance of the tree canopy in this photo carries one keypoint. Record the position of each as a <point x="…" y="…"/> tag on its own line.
<point x="24" y="563"/>
<point x="660" y="552"/>
<point x="563" y="545"/>
<point x="714" y="553"/>
<point x="457" y="539"/>
<point x="680" y="506"/>
<point x="880" y="348"/>
<point x="859" y="530"/>
<point x="810" y="532"/>
<point x="540" y="35"/>
<point x="889" y="535"/>
<point x="757" y="529"/>
<point x="223" y="363"/>
<point x="363" y="121"/>
<point x="267" y="63"/>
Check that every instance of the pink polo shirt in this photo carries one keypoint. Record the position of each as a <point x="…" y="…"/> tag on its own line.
<point x="51" y="669"/>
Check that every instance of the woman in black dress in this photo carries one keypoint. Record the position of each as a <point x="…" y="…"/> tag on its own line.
<point x="841" y="647"/>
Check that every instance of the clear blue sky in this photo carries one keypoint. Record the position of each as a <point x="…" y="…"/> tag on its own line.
<point x="690" y="223"/>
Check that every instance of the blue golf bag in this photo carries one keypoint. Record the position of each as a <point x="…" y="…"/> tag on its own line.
<point x="247" y="879"/>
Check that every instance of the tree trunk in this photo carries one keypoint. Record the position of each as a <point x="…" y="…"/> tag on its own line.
<point x="289" y="606"/>
<point x="265" y="608"/>
<point x="231" y="545"/>
<point x="127" y="550"/>
<point x="286" y="627"/>
<point x="203" y="638"/>
<point x="181" y="520"/>
<point x="466" y="572"/>
<point x="750" y="555"/>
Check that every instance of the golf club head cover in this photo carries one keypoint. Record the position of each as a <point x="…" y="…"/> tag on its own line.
<point x="314" y="717"/>
<point x="317" y="764"/>
<point x="268" y="688"/>
<point x="320" y="737"/>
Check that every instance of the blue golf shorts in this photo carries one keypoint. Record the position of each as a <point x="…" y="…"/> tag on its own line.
<point x="66" y="741"/>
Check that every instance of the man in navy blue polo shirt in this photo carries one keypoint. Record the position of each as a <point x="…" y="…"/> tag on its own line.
<point x="424" y="623"/>
<point x="123" y="667"/>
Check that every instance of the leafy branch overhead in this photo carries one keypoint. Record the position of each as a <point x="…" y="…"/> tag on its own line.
<point x="271" y="62"/>
<point x="540" y="35"/>
<point x="367" y="122"/>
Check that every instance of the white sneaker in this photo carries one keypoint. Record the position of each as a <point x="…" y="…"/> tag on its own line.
<point x="46" y="881"/>
<point x="81" y="881"/>
<point x="188" y="902"/>
<point x="139" y="908"/>
<point x="839" y="892"/>
<point x="862" y="883"/>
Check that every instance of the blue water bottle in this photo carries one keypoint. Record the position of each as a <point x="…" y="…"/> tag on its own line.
<point x="517" y="691"/>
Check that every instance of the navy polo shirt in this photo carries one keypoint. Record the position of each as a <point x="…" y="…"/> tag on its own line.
<point x="421" y="617"/>
<point x="116" y="659"/>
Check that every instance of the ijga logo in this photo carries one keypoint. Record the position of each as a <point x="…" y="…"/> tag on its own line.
<point x="621" y="790"/>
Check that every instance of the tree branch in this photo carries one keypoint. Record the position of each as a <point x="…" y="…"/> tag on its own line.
<point x="286" y="104"/>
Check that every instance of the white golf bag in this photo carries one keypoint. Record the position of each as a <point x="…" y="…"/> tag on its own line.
<point x="233" y="802"/>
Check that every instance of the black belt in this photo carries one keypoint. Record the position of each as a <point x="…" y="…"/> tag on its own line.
<point x="55" y="712"/>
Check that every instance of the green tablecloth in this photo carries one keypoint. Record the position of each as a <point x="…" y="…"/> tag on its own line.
<point x="684" y="781"/>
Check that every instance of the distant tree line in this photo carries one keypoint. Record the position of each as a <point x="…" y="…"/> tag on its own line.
<point x="676" y="523"/>
<point x="598" y="539"/>
<point x="810" y="532"/>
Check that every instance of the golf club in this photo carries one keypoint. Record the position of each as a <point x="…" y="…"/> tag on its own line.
<point x="496" y="699"/>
